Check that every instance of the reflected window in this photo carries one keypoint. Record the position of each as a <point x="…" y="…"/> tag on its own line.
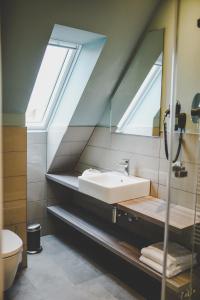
<point x="52" y="77"/>
<point x="143" y="113"/>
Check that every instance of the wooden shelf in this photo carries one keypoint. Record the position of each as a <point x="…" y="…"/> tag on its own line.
<point x="115" y="242"/>
<point x="69" y="180"/>
<point x="154" y="210"/>
<point x="147" y="208"/>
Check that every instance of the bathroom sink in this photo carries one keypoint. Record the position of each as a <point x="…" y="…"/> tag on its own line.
<point x="113" y="187"/>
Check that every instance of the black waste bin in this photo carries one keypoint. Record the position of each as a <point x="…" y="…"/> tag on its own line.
<point x="33" y="239"/>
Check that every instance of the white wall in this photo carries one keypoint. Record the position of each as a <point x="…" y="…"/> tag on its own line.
<point x="27" y="26"/>
<point x="92" y="46"/>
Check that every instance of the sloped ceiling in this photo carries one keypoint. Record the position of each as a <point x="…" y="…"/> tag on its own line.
<point x="27" y="26"/>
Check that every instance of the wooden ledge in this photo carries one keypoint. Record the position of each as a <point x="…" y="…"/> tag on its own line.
<point x="154" y="210"/>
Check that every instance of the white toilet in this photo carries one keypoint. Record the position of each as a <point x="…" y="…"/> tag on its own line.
<point x="12" y="247"/>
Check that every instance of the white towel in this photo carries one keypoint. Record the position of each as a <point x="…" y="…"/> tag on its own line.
<point x="171" y="271"/>
<point x="177" y="254"/>
<point x="90" y="172"/>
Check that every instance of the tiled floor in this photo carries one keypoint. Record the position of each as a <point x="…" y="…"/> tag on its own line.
<point x="61" y="272"/>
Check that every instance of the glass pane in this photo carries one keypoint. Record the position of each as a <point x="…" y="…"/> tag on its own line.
<point x="143" y="114"/>
<point x="136" y="101"/>
<point x="50" y="69"/>
<point x="184" y="176"/>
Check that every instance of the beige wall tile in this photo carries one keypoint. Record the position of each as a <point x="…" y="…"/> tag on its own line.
<point x="14" y="173"/>
<point x="14" y="188"/>
<point x="14" y="139"/>
<point x="15" y="212"/>
<point x="15" y="164"/>
<point x="19" y="229"/>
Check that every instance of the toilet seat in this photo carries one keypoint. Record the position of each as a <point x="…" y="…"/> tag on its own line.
<point x="11" y="243"/>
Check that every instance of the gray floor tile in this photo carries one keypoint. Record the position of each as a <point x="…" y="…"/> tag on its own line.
<point x="77" y="269"/>
<point x="60" y="289"/>
<point x="96" y="290"/>
<point x="116" y="288"/>
<point x="61" y="272"/>
<point x="22" y="289"/>
<point x="44" y="271"/>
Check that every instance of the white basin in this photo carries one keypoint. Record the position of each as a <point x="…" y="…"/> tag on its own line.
<point x="112" y="187"/>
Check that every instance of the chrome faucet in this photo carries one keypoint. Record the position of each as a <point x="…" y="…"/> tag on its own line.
<point x="125" y="164"/>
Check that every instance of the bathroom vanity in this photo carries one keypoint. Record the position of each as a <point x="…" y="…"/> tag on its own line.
<point x="113" y="237"/>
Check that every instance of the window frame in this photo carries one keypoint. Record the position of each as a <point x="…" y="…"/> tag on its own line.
<point x="55" y="98"/>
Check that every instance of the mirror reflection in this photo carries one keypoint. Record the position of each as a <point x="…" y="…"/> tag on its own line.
<point x="135" y="107"/>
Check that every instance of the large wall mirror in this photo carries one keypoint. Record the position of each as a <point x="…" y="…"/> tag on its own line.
<point x="136" y="103"/>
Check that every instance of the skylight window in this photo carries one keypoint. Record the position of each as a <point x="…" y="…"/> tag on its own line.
<point x="144" y="109"/>
<point x="52" y="76"/>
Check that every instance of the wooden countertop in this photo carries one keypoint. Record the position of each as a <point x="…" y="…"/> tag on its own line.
<point x="154" y="210"/>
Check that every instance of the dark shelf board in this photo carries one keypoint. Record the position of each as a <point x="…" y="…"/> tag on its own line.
<point x="69" y="180"/>
<point x="114" y="242"/>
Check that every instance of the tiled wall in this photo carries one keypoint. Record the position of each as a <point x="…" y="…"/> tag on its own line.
<point x="14" y="181"/>
<point x="36" y="170"/>
<point x="73" y="142"/>
<point x="40" y="192"/>
<point x="147" y="159"/>
<point x="105" y="151"/>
